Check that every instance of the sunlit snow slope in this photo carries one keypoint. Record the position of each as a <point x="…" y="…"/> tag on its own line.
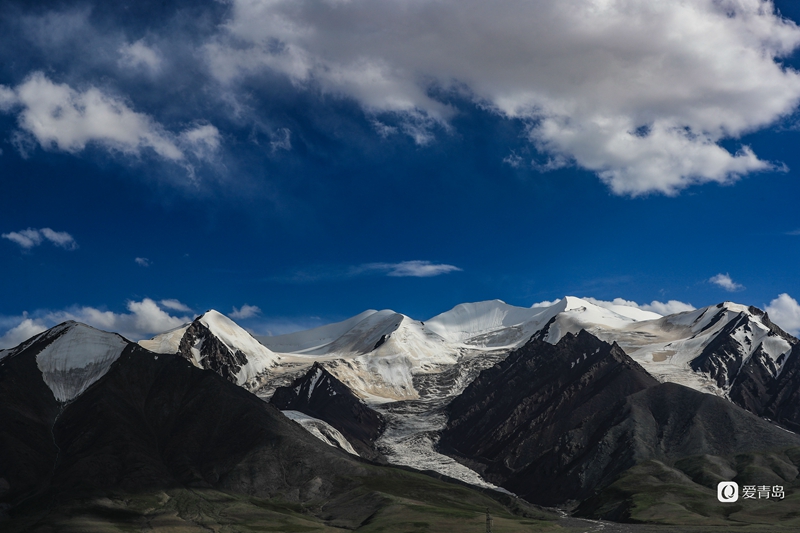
<point x="215" y="342"/>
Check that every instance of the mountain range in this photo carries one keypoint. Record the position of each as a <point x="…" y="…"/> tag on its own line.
<point x="572" y="403"/>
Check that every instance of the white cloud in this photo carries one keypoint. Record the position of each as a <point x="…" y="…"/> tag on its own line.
<point x="58" y="117"/>
<point x="175" y="305"/>
<point x="23" y="331"/>
<point x="8" y="98"/>
<point x="29" y="238"/>
<point x="546" y="303"/>
<point x="203" y="140"/>
<point x="143" y="319"/>
<point x="143" y="262"/>
<point x="662" y="308"/>
<point x="725" y="281"/>
<point x="246" y="311"/>
<point x="59" y="238"/>
<point x="140" y="56"/>
<point x="785" y="312"/>
<point x="639" y="92"/>
<point x="667" y="308"/>
<point x="62" y="118"/>
<point x="417" y="269"/>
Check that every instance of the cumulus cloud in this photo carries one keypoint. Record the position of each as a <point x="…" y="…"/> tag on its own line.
<point x="58" y="117"/>
<point x="639" y="92"/>
<point x="725" y="281"/>
<point x="143" y="262"/>
<point x="30" y="238"/>
<point x="785" y="312"/>
<point x="417" y="269"/>
<point x="246" y="311"/>
<point x="23" y="331"/>
<point x="143" y="319"/>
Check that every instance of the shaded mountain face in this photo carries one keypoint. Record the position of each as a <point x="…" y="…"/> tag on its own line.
<point x="728" y="349"/>
<point x="769" y="386"/>
<point x="535" y="414"/>
<point x="554" y="423"/>
<point x="151" y="421"/>
<point x="151" y="439"/>
<point x="320" y="395"/>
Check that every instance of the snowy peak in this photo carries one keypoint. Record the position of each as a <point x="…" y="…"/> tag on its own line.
<point x="495" y="324"/>
<point x="313" y="341"/>
<point x="72" y="356"/>
<point x="215" y="342"/>
<point x="234" y="336"/>
<point x="469" y="320"/>
<point x="740" y="336"/>
<point x="575" y="314"/>
<point x="360" y="334"/>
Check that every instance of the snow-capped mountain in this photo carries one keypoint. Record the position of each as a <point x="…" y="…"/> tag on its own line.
<point x="399" y="375"/>
<point x="495" y="324"/>
<point x="215" y="342"/>
<point x="706" y="349"/>
<point x="409" y="370"/>
<point x="87" y="416"/>
<point x="555" y="423"/>
<point x="383" y="354"/>
<point x="71" y="357"/>
<point x="376" y="353"/>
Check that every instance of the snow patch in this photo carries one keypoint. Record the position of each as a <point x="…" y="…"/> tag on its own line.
<point x="78" y="357"/>
<point x="167" y="342"/>
<point x="314" y="380"/>
<point x="322" y="430"/>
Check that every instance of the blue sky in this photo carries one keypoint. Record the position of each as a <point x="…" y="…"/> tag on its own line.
<point x="293" y="163"/>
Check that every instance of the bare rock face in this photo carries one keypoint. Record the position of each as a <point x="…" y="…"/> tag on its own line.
<point x="319" y="394"/>
<point x="724" y="357"/>
<point x="212" y="352"/>
<point x="555" y="423"/>
<point x="762" y="384"/>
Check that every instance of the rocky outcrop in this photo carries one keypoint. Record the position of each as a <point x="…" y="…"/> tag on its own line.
<point x="200" y="344"/>
<point x="320" y="395"/>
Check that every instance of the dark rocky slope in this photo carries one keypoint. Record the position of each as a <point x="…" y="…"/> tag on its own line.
<point x="555" y="423"/>
<point x="319" y="394"/>
<point x="766" y="387"/>
<point x="215" y="355"/>
<point x="156" y="422"/>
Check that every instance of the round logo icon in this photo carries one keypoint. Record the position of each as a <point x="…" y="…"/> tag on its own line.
<point x="728" y="491"/>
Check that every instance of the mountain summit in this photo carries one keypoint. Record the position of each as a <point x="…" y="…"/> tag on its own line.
<point x="215" y="342"/>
